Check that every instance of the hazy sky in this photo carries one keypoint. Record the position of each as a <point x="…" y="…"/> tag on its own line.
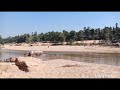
<point x="14" y="23"/>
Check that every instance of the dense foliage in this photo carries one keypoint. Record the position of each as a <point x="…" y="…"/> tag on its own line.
<point x="109" y="34"/>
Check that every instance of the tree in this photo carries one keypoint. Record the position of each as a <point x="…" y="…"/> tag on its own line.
<point x="40" y="37"/>
<point x="61" y="38"/>
<point x="87" y="33"/>
<point x="35" y="33"/>
<point x="30" y="39"/>
<point x="34" y="39"/>
<point x="80" y="35"/>
<point x="116" y="25"/>
<point x="92" y="34"/>
<point x="96" y="34"/>
<point x="1" y="40"/>
<point x="106" y="34"/>
<point x="66" y="35"/>
<point x="73" y="35"/>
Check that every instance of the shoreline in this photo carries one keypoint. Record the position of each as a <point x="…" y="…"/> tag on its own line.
<point x="66" y="49"/>
<point x="68" y="52"/>
<point x="60" y="68"/>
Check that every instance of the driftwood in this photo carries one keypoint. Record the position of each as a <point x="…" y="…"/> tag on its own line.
<point x="21" y="65"/>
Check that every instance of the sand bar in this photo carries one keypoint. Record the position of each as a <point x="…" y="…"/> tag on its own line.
<point x="58" y="68"/>
<point x="96" y="49"/>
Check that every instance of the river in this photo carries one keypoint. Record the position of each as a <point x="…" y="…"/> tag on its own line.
<point x="99" y="58"/>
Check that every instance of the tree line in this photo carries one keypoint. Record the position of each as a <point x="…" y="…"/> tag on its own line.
<point x="108" y="34"/>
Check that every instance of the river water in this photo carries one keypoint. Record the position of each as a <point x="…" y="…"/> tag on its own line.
<point x="99" y="58"/>
<point x="11" y="53"/>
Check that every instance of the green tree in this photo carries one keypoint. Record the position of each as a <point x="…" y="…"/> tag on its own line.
<point x="34" y="39"/>
<point x="30" y="39"/>
<point x="66" y="35"/>
<point x="92" y="34"/>
<point x="106" y="34"/>
<point x="1" y="40"/>
<point x="80" y="35"/>
<point x="61" y="37"/>
<point x="73" y="35"/>
<point x="87" y="33"/>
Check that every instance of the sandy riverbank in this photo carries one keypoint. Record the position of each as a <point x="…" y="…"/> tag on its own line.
<point x="58" y="68"/>
<point x="98" y="49"/>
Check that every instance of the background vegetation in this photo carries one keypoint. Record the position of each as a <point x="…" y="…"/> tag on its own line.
<point x="107" y="34"/>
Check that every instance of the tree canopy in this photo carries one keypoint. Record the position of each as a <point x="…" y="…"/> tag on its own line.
<point x="110" y="34"/>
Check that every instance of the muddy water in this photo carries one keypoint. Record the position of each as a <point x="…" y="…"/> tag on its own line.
<point x="99" y="58"/>
<point x="4" y="54"/>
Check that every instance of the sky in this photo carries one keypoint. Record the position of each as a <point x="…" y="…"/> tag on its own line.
<point x="17" y="23"/>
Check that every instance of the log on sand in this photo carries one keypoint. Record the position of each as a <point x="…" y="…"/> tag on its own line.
<point x="21" y="65"/>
